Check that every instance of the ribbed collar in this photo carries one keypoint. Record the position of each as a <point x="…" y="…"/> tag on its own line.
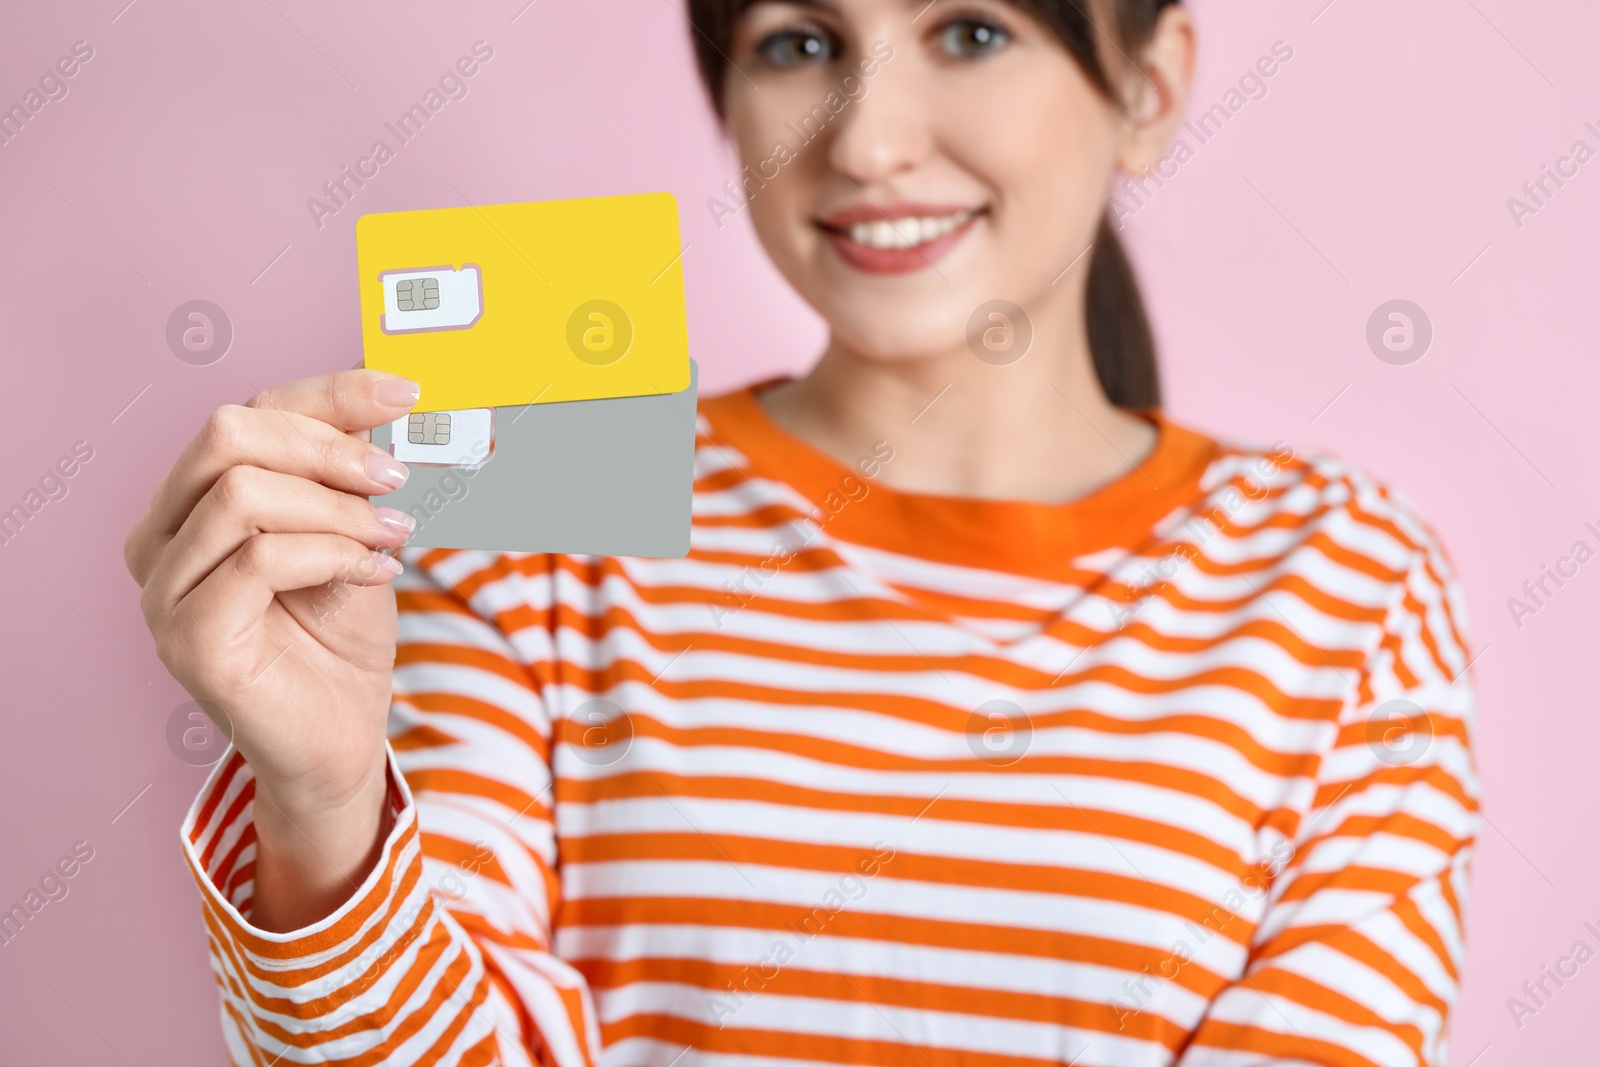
<point x="1015" y="536"/>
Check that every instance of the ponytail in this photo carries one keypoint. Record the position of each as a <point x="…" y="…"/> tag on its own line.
<point x="1120" y="341"/>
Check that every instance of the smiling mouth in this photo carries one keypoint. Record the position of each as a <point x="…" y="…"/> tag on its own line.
<point x="897" y="240"/>
<point x="908" y="232"/>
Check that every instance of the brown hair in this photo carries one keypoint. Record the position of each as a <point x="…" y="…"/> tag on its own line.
<point x="1120" y="340"/>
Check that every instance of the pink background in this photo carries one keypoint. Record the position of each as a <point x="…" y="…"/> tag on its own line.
<point x="179" y="165"/>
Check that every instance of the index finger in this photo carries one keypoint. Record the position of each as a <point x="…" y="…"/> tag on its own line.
<point x="348" y="400"/>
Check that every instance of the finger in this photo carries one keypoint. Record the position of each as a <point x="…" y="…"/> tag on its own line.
<point x="365" y="435"/>
<point x="362" y="435"/>
<point x="234" y="596"/>
<point x="247" y="501"/>
<point x="272" y="440"/>
<point x="348" y="400"/>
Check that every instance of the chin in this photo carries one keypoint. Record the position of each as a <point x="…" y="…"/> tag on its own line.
<point x="890" y="332"/>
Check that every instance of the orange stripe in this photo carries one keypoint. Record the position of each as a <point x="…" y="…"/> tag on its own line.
<point x="972" y="936"/>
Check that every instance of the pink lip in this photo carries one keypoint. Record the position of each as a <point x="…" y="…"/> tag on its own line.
<point x="893" y="260"/>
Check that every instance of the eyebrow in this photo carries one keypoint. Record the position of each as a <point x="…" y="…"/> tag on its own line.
<point x="820" y="5"/>
<point x="832" y="7"/>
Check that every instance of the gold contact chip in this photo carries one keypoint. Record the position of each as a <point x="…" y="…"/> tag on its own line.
<point x="417" y="294"/>
<point x="428" y="427"/>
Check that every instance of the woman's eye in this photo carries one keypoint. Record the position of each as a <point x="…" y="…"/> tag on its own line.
<point x="972" y="38"/>
<point x="789" y="48"/>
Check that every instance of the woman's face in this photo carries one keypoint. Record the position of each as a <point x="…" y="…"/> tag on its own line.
<point x="906" y="162"/>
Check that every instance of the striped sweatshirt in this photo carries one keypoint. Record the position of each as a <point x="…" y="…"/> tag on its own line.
<point x="1175" y="773"/>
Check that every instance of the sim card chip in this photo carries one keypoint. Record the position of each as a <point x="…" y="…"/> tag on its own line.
<point x="462" y="438"/>
<point x="417" y="294"/>
<point x="425" y="299"/>
<point x="428" y="428"/>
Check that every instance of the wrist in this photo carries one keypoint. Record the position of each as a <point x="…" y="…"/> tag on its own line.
<point x="312" y="853"/>
<point x="315" y="803"/>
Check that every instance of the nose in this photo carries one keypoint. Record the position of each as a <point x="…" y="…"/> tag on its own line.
<point x="885" y="131"/>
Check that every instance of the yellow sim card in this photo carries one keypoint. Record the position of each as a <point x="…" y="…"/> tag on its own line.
<point x="511" y="304"/>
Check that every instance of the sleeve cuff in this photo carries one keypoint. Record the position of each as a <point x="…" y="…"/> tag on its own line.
<point x="219" y="842"/>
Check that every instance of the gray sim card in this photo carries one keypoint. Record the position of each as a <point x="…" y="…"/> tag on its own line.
<point x="610" y="477"/>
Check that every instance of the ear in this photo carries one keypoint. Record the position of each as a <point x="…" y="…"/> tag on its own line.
<point x="1158" y="92"/>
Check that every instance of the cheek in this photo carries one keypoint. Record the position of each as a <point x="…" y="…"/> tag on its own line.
<point x="752" y="130"/>
<point x="1047" y="161"/>
<point x="760" y="122"/>
<point x="779" y="174"/>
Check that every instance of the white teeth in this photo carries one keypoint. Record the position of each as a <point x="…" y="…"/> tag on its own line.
<point x="906" y="232"/>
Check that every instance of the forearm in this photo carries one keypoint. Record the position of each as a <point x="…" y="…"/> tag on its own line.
<point x="311" y="855"/>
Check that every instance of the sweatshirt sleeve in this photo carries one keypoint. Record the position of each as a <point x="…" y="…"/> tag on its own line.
<point x="442" y="955"/>
<point x="1357" y="959"/>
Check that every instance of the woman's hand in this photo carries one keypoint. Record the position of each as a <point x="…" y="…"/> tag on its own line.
<point x="266" y="590"/>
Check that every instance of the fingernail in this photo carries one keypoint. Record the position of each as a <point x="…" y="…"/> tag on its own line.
<point x="396" y="392"/>
<point x="386" y="470"/>
<point x="394" y="517"/>
<point x="388" y="564"/>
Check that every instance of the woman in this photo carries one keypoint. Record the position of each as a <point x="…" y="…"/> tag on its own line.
<point x="993" y="717"/>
